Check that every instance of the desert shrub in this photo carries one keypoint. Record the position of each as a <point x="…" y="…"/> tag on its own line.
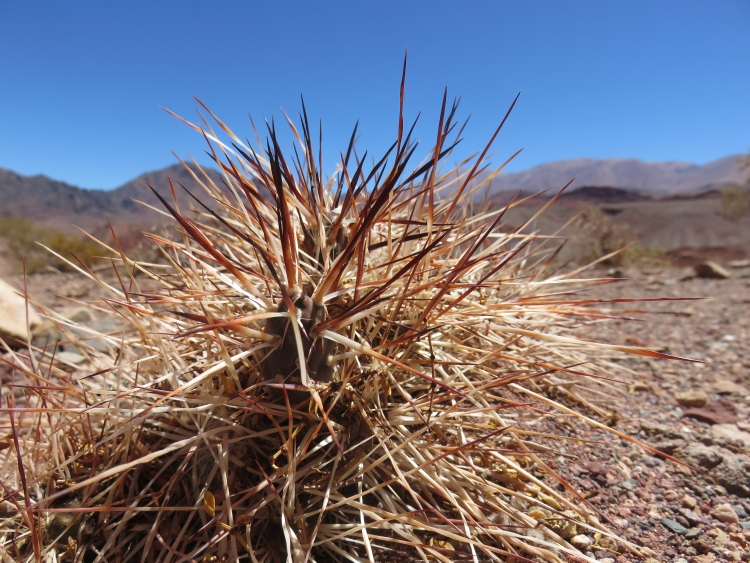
<point x="24" y="237"/>
<point x="596" y="234"/>
<point x="735" y="202"/>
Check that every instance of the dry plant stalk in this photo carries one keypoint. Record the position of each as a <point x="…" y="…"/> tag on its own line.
<point x="318" y="370"/>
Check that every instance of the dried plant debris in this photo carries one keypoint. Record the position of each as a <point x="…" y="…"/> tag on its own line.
<point x="341" y="369"/>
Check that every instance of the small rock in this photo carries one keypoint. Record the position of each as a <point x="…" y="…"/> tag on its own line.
<point x="673" y="526"/>
<point x="734" y="475"/>
<point x="739" y="264"/>
<point x="596" y="468"/>
<point x="577" y="469"/>
<point x="702" y="546"/>
<point x="745" y="525"/>
<point x="693" y="533"/>
<point x="606" y="560"/>
<point x="581" y="541"/>
<point x="700" y="455"/>
<point x="729" y="387"/>
<point x="692" y="518"/>
<point x="654" y="429"/>
<point x="710" y="269"/>
<point x="689" y="502"/>
<point x="720" y="411"/>
<point x="629" y="484"/>
<point x="695" y="398"/>
<point x="732" y="432"/>
<point x="725" y="513"/>
<point x="13" y="313"/>
<point x="668" y="446"/>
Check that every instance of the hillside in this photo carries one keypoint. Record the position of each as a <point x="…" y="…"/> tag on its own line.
<point x="657" y="201"/>
<point x="60" y="205"/>
<point x="651" y="177"/>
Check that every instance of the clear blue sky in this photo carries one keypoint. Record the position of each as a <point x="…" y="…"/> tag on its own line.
<point x="81" y="82"/>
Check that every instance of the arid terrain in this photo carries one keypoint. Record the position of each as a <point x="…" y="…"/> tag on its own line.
<point x="696" y="410"/>
<point x="676" y="513"/>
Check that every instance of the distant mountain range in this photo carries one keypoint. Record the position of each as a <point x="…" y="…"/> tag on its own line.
<point x="657" y="178"/>
<point x="61" y="205"/>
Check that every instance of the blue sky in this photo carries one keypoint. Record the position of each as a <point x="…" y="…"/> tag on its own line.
<point x="82" y="82"/>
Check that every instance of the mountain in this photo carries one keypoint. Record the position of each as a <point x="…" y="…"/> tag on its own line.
<point x="61" y="205"/>
<point x="658" y="178"/>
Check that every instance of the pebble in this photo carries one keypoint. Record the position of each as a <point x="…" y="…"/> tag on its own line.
<point x="692" y="399"/>
<point x="629" y="484"/>
<point x="700" y="455"/>
<point x="735" y="475"/>
<point x="720" y="411"/>
<point x="725" y="513"/>
<point x="732" y="432"/>
<point x="710" y="269"/>
<point x="728" y="387"/>
<point x="673" y="526"/>
<point x="689" y="502"/>
<point x="581" y="541"/>
<point x="693" y="533"/>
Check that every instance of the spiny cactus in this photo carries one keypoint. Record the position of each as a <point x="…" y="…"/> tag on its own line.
<point x="318" y="369"/>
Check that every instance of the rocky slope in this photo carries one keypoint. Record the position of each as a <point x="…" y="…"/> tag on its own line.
<point x="652" y="177"/>
<point x="60" y="205"/>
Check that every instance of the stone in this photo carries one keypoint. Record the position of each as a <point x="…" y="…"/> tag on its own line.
<point x="692" y="518"/>
<point x="668" y="446"/>
<point x="693" y="533"/>
<point x="629" y="484"/>
<point x="739" y="264"/>
<point x="581" y="541"/>
<point x="734" y="475"/>
<point x="673" y="526"/>
<point x="710" y="269"/>
<point x="725" y="513"/>
<point x="729" y="387"/>
<point x="13" y="314"/>
<point x="720" y="411"/>
<point x="738" y="538"/>
<point x="689" y="502"/>
<point x="695" y="398"/>
<point x="732" y="432"/>
<point x="662" y="431"/>
<point x="703" y="456"/>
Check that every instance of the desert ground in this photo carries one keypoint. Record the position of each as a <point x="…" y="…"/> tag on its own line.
<point x="696" y="411"/>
